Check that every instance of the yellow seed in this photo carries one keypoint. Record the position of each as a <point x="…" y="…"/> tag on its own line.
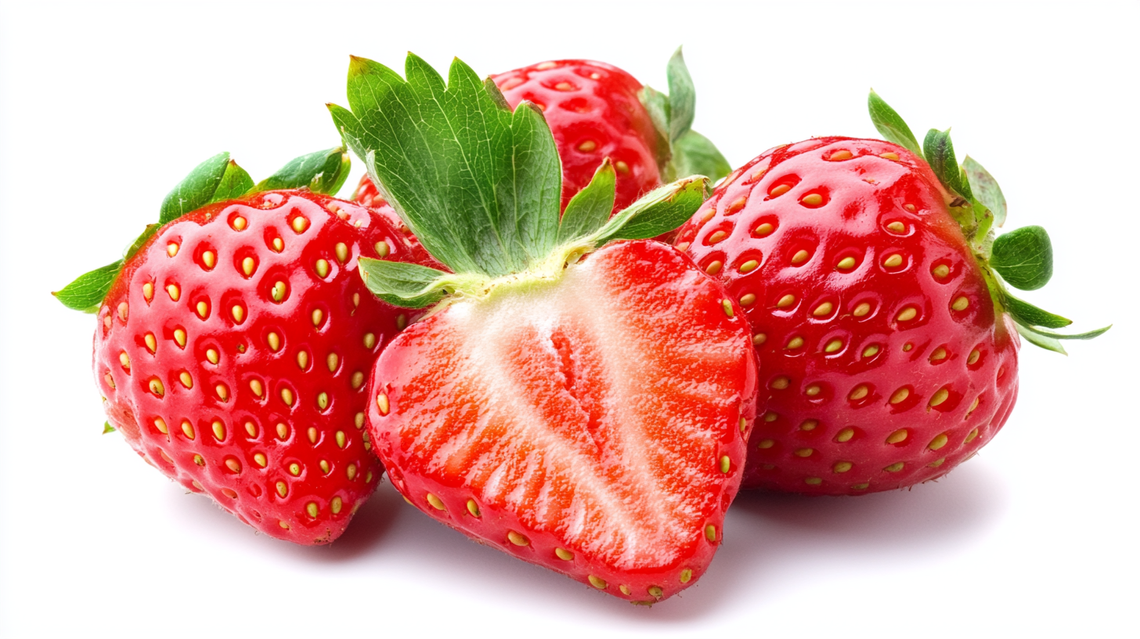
<point x="907" y="347"/>
<point x="238" y="313"/>
<point x="148" y="291"/>
<point x="251" y="429"/>
<point x="871" y="351"/>
<point x="809" y="424"/>
<point x="287" y="396"/>
<point x="839" y="155"/>
<point x="973" y="358"/>
<point x="174" y="292"/>
<point x="770" y="417"/>
<point x="717" y="237"/>
<point x="597" y="582"/>
<point x="833" y="345"/>
<point x="278" y="291"/>
<point x="160" y="425"/>
<point x="624" y="590"/>
<point x="219" y="430"/>
<point x="156" y="387"/>
<point x="845" y="435"/>
<point x="282" y="431"/>
<point x="710" y="532"/>
<point x="890" y="155"/>
<point x="897" y="436"/>
<point x="938" y="442"/>
<point x="893" y="261"/>
<point x="960" y="304"/>
<point x="180" y="337"/>
<point x="187" y="429"/>
<point x="125" y="360"/>
<point x="803" y="452"/>
<point x="910" y="207"/>
<point x="812" y="199"/>
<point x="294" y="469"/>
<point x="562" y="553"/>
<point x="303" y="359"/>
<point x="351" y="472"/>
<point x="743" y="424"/>
<point x="823" y="309"/>
<point x="656" y="592"/>
<point x="749" y="266"/>
<point x="936" y="463"/>
<point x="686" y="575"/>
<point x="369" y="340"/>
<point x="938" y="354"/>
<point x="764" y="229"/>
<point x="341" y="252"/>
<point x="907" y="314"/>
<point x="862" y="486"/>
<point x="256" y="386"/>
<point x="766" y="444"/>
<point x="714" y="267"/>
<point x="203" y="309"/>
<point x="382" y="248"/>
<point x="621" y="167"/>
<point x="725" y="464"/>
<point x="846" y="264"/>
<point x="941" y="271"/>
<point x="587" y="146"/>
<point x="747" y="299"/>
<point x="322" y="268"/>
<point x="894" y="468"/>
<point x="322" y="400"/>
<point x="800" y="257"/>
<point x="274" y="341"/>
<point x="238" y="223"/>
<point x="813" y="481"/>
<point x="939" y="397"/>
<point x="209" y="259"/>
<point x="247" y="266"/>
<point x="278" y="244"/>
<point x="517" y="539"/>
<point x="172" y="249"/>
<point x="900" y="395"/>
<point x="786" y="301"/>
<point x="727" y="307"/>
<point x="324" y="466"/>
<point x="813" y="390"/>
<point x="198" y="460"/>
<point x="759" y="339"/>
<point x="282" y="488"/>
<point x="222" y="392"/>
<point x="897" y="227"/>
<point x="780" y="382"/>
<point x="435" y="502"/>
<point x="842" y="467"/>
<point x="859" y="392"/>
<point x="401" y="320"/>
<point x="779" y="190"/>
<point x="357" y="380"/>
<point x="283" y="524"/>
<point x="299" y="224"/>
<point x="234" y="465"/>
<point x="970" y="437"/>
<point x="212" y="355"/>
<point x="318" y="315"/>
<point x="382" y="403"/>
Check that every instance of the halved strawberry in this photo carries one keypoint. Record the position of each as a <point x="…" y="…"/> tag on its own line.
<point x="576" y="401"/>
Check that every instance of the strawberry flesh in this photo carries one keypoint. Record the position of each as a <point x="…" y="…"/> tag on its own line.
<point x="590" y="424"/>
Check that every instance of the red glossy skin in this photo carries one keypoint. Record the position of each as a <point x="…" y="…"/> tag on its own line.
<point x="594" y="112"/>
<point x="261" y="453"/>
<point x="590" y="415"/>
<point x="831" y="427"/>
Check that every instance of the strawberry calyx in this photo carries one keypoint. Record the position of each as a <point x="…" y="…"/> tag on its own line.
<point x="1022" y="258"/>
<point x="681" y="150"/>
<point x="479" y="185"/>
<point x="217" y="179"/>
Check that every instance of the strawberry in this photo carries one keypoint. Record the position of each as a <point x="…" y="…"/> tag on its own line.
<point x="578" y="396"/>
<point x="886" y="339"/>
<point x="233" y="343"/>
<point x="596" y="110"/>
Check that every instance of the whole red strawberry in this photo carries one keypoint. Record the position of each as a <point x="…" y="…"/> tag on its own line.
<point x="578" y="397"/>
<point x="887" y="343"/>
<point x="233" y="344"/>
<point x="596" y="110"/>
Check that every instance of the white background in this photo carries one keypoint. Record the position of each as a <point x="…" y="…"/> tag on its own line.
<point x="105" y="106"/>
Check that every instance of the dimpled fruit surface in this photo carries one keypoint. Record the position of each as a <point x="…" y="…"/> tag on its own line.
<point x="593" y="424"/>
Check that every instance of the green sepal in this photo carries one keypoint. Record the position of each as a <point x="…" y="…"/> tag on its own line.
<point x="195" y="190"/>
<point x="657" y="105"/>
<point x="660" y="211"/>
<point x="479" y="186"/>
<point x="1052" y="341"/>
<point x="939" y="153"/>
<point x="1023" y="258"/>
<point x="890" y="124"/>
<point x="403" y="284"/>
<point x="985" y="189"/>
<point x="320" y="172"/>
<point x="1027" y="314"/>
<point x="108" y="428"/>
<point x="235" y="183"/>
<point x="682" y="97"/>
<point x="86" y="293"/>
<point x="694" y="154"/>
<point x="589" y="209"/>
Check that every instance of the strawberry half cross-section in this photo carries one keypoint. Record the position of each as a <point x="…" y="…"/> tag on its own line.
<point x="578" y="396"/>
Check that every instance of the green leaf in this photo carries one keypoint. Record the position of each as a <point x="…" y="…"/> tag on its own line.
<point x="479" y="186"/>
<point x="890" y="125"/>
<point x="1029" y="315"/>
<point x="320" y="172"/>
<point x="589" y="209"/>
<point x="1037" y="339"/>
<point x="403" y="284"/>
<point x="108" y="428"/>
<point x="235" y="183"/>
<point x="196" y="189"/>
<point x="985" y="188"/>
<point x="659" y="211"/>
<point x="694" y="154"/>
<point x="682" y="97"/>
<point x="86" y="293"/>
<point x="939" y="153"/>
<point x="1024" y="257"/>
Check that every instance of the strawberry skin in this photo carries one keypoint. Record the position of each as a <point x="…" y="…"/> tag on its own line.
<point x="593" y="424"/>
<point x="879" y="348"/>
<point x="233" y="350"/>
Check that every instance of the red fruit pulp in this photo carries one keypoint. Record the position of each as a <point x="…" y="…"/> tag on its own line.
<point x="592" y="424"/>
<point x="879" y="348"/>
